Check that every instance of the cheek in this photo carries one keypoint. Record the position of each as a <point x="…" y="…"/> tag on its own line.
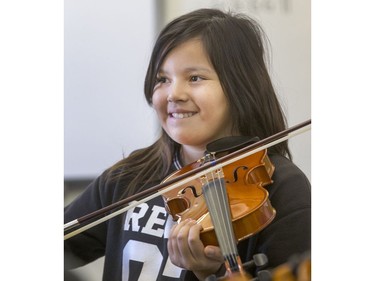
<point x="159" y="105"/>
<point x="155" y="101"/>
<point x="220" y="104"/>
<point x="224" y="114"/>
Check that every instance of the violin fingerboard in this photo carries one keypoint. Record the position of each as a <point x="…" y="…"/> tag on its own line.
<point x="217" y="203"/>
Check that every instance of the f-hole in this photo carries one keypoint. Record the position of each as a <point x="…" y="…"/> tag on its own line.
<point x="235" y="174"/>
<point x="193" y="190"/>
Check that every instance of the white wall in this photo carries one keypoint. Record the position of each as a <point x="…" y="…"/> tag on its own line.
<point x="107" y="48"/>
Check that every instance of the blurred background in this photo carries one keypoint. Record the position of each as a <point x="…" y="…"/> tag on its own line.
<point x="107" y="47"/>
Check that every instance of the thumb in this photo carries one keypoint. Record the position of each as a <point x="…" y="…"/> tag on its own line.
<point x="214" y="253"/>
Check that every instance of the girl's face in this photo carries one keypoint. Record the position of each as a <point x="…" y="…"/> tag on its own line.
<point x="189" y="99"/>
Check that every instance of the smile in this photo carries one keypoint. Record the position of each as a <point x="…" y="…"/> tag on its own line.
<point x="182" y="115"/>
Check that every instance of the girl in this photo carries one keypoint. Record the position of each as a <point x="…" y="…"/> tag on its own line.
<point x="207" y="79"/>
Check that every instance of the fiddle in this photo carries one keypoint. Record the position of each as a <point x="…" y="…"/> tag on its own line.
<point x="244" y="180"/>
<point x="88" y="221"/>
<point x="229" y="203"/>
<point x="211" y="174"/>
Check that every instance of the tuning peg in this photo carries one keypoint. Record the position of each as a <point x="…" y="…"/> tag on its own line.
<point x="259" y="260"/>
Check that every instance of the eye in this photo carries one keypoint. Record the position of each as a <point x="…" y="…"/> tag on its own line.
<point x="161" y="80"/>
<point x="195" y="78"/>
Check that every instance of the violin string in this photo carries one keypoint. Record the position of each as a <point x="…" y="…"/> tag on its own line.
<point x="218" y="206"/>
<point x="177" y="184"/>
<point x="214" y="213"/>
<point x="225" y="237"/>
<point x="221" y="205"/>
<point x="220" y="216"/>
<point x="209" y="193"/>
<point x="232" y="249"/>
<point x="232" y="240"/>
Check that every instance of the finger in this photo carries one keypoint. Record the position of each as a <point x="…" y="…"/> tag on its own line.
<point x="176" y="241"/>
<point x="195" y="244"/>
<point x="172" y="238"/>
<point x="170" y="244"/>
<point x="214" y="253"/>
<point x="202" y="262"/>
<point x="183" y="242"/>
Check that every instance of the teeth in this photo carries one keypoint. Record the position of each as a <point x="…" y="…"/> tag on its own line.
<point x="182" y="115"/>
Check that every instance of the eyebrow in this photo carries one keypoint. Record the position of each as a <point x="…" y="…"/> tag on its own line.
<point x="205" y="69"/>
<point x="190" y="69"/>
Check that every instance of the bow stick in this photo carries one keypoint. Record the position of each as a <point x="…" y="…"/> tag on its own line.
<point x="182" y="179"/>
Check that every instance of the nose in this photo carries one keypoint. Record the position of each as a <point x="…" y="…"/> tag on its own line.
<point x="178" y="92"/>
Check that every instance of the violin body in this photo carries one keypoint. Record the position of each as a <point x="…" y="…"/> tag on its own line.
<point x="250" y="207"/>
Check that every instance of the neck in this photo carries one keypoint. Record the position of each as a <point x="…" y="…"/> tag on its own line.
<point x="190" y="154"/>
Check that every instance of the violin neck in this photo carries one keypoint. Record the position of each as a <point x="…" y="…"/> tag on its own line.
<point x="215" y="194"/>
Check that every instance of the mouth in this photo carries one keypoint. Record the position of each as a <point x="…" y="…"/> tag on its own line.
<point x="181" y="115"/>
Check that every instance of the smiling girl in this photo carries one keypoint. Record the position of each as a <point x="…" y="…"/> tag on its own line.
<point x="189" y="100"/>
<point x="207" y="79"/>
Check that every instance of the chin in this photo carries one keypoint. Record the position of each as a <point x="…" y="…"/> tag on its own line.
<point x="182" y="137"/>
<point x="192" y="141"/>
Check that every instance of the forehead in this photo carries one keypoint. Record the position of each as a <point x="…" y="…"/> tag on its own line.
<point x="187" y="54"/>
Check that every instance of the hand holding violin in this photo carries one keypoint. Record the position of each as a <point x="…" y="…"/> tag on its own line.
<point x="186" y="250"/>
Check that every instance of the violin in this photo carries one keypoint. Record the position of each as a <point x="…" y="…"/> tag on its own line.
<point x="242" y="183"/>
<point x="196" y="171"/>
<point x="225" y="195"/>
<point x="229" y="203"/>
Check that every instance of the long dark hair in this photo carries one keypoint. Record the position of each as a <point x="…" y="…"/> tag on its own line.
<point x="235" y="46"/>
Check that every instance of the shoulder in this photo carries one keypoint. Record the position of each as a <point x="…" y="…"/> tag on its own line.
<point x="290" y="188"/>
<point x="286" y="172"/>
